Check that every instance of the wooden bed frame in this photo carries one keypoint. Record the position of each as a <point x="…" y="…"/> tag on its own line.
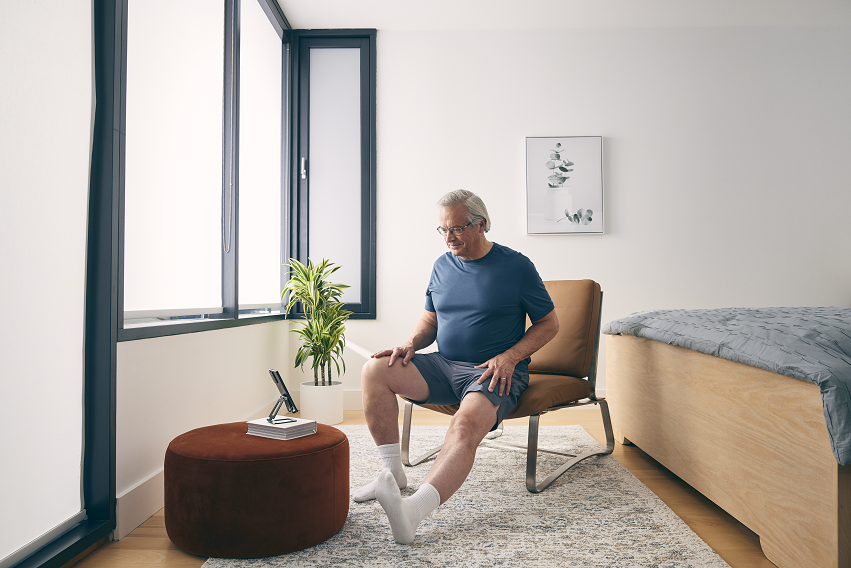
<point x="752" y="441"/>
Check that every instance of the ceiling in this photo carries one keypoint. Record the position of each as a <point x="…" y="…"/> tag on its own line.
<point x="562" y="14"/>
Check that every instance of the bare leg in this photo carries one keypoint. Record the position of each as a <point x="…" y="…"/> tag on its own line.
<point x="381" y="383"/>
<point x="473" y="420"/>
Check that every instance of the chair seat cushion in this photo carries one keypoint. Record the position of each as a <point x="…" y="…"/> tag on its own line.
<point x="546" y="391"/>
<point x="543" y="392"/>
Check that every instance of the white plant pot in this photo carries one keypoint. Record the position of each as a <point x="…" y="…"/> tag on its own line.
<point x="322" y="403"/>
<point x="558" y="199"/>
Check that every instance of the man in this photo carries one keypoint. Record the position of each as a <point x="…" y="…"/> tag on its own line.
<point x="476" y="305"/>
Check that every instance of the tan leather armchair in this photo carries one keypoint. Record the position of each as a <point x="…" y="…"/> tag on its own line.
<point x="562" y="374"/>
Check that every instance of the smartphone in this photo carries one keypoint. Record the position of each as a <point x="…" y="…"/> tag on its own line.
<point x="282" y="388"/>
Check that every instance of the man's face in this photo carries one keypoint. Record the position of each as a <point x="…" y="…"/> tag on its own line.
<point x="469" y="243"/>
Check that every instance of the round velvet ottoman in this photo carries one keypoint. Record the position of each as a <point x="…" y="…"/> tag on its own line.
<point x="232" y="495"/>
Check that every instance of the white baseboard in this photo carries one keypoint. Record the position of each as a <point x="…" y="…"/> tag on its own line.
<point x="138" y="504"/>
<point x="352" y="399"/>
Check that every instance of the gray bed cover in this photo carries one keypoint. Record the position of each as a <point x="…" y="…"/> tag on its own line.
<point x="811" y="344"/>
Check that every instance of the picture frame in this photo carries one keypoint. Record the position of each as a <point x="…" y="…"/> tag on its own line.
<point x="564" y="185"/>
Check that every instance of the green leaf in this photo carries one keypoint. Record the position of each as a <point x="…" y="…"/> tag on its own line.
<point x="550" y="165"/>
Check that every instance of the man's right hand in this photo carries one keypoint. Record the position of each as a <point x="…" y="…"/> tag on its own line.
<point x="405" y="353"/>
<point x="424" y="334"/>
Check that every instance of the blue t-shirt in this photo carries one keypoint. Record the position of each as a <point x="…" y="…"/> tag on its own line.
<point x="481" y="304"/>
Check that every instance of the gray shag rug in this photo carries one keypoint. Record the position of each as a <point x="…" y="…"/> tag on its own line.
<point x="597" y="514"/>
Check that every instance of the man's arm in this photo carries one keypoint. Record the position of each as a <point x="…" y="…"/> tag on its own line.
<point x="424" y="334"/>
<point x="539" y="334"/>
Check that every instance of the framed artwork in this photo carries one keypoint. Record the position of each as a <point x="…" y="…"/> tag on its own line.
<point x="564" y="185"/>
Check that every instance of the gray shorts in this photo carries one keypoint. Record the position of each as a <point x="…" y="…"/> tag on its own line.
<point x="450" y="381"/>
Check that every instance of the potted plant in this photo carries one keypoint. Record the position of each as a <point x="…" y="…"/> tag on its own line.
<point x="322" y="335"/>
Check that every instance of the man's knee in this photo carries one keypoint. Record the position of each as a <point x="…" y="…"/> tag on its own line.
<point x="376" y="372"/>
<point x="373" y="372"/>
<point x="475" y="418"/>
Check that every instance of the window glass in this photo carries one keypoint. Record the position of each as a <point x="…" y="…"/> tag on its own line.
<point x="334" y="179"/>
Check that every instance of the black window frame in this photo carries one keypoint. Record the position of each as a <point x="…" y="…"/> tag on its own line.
<point x="303" y="41"/>
<point x="230" y="316"/>
<point x="295" y="198"/>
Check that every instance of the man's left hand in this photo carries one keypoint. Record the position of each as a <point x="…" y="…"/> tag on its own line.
<point x="499" y="368"/>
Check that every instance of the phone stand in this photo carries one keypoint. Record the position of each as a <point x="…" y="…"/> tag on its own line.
<point x="285" y="399"/>
<point x="272" y="416"/>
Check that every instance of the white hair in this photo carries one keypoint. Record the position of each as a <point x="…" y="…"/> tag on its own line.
<point x="476" y="210"/>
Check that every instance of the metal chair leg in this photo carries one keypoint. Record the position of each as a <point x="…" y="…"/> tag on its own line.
<point x="406" y="440"/>
<point x="532" y="451"/>
<point x="531" y="448"/>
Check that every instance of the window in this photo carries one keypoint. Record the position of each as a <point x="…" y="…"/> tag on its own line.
<point x="334" y="194"/>
<point x="173" y="164"/>
<point x="261" y="161"/>
<point x="47" y="111"/>
<point x="205" y="164"/>
<point x="209" y="216"/>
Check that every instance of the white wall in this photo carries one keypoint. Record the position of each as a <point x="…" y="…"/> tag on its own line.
<point x="725" y="155"/>
<point x="169" y="385"/>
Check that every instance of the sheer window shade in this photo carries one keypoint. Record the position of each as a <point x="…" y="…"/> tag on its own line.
<point x="261" y="74"/>
<point x="173" y="175"/>
<point x="335" y="163"/>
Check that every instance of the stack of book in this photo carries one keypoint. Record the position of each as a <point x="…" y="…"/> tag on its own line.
<point x="283" y="429"/>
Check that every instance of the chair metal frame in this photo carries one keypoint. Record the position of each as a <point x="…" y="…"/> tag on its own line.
<point x="531" y="449"/>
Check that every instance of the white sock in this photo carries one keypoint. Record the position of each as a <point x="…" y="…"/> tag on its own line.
<point x="405" y="515"/>
<point x="391" y="458"/>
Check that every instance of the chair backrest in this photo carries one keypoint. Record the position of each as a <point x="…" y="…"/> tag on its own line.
<point x="572" y="351"/>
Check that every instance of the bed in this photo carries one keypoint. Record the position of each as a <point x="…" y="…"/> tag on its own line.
<point x="751" y="408"/>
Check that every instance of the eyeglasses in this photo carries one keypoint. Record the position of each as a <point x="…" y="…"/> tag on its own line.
<point x="455" y="230"/>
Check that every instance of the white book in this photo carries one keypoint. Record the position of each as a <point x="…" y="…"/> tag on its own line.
<point x="297" y="428"/>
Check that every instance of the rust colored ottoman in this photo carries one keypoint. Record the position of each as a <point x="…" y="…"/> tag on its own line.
<point x="231" y="495"/>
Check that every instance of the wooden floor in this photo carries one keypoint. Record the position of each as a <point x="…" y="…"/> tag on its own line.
<point x="149" y="545"/>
